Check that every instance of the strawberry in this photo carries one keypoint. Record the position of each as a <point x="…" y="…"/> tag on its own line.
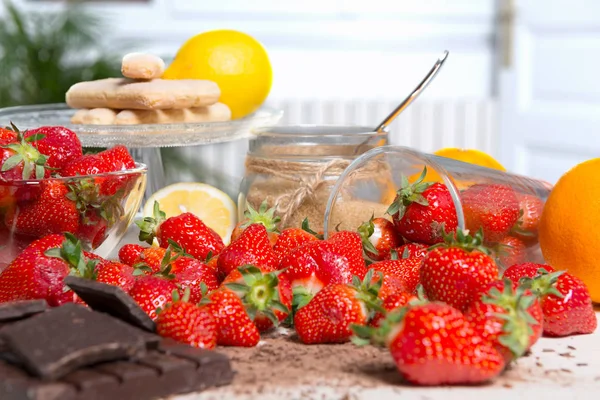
<point x="264" y="216"/>
<point x="116" y="274"/>
<point x="150" y="260"/>
<point x="390" y="303"/>
<point x="421" y="211"/>
<point x="266" y="295"/>
<point x="525" y="270"/>
<point x="152" y="292"/>
<point x="316" y="264"/>
<point x="509" y="251"/>
<point x="530" y="212"/>
<point x="7" y="136"/>
<point x="290" y="239"/>
<point x="565" y="301"/>
<point x="197" y="277"/>
<point x="212" y="262"/>
<point x="39" y="271"/>
<point x="187" y="323"/>
<point x="59" y="144"/>
<point x="379" y="238"/>
<point x="328" y="316"/>
<point x="433" y="344"/>
<point x="410" y="250"/>
<point x="252" y="247"/>
<point x="118" y="158"/>
<point x="507" y="315"/>
<point x="493" y="208"/>
<point x="89" y="164"/>
<point x="234" y="326"/>
<point x="405" y="271"/>
<point x="129" y="253"/>
<point x="21" y="160"/>
<point x="455" y="271"/>
<point x="92" y="229"/>
<point x="187" y="230"/>
<point x="53" y="212"/>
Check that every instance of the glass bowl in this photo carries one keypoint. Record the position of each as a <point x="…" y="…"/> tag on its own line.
<point x="467" y="184"/>
<point x="97" y="209"/>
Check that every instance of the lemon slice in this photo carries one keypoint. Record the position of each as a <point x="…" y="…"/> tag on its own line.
<point x="208" y="203"/>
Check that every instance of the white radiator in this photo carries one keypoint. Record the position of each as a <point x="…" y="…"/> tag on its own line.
<point x="425" y="125"/>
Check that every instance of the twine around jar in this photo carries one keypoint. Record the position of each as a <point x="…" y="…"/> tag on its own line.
<point x="310" y="176"/>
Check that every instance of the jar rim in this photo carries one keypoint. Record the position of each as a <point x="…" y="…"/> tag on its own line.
<point x="309" y="130"/>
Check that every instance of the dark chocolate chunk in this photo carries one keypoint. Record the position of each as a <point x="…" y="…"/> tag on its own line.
<point x="58" y="341"/>
<point x="21" y="309"/>
<point x="94" y="385"/>
<point x="179" y="374"/>
<point x="111" y="300"/>
<point x="15" y="384"/>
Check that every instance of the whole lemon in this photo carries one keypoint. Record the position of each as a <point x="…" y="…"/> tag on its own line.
<point x="237" y="62"/>
<point x="568" y="230"/>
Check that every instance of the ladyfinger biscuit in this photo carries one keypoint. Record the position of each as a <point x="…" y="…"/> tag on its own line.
<point x="157" y="94"/>
<point x="212" y="113"/>
<point x="95" y="116"/>
<point x="142" y="66"/>
<point x="78" y="117"/>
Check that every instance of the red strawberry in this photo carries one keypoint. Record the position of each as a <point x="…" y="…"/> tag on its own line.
<point x="20" y="160"/>
<point x="118" y="158"/>
<point x="525" y="270"/>
<point x="457" y="270"/>
<point x="266" y="295"/>
<point x="493" y="208"/>
<point x="530" y="212"/>
<point x="234" y="326"/>
<point x="187" y="230"/>
<point x="379" y="237"/>
<point x="59" y="144"/>
<point x="89" y="164"/>
<point x="316" y="264"/>
<point x="264" y="216"/>
<point x="566" y="303"/>
<point x="129" y="253"/>
<point x="421" y="211"/>
<point x="328" y="316"/>
<point x="212" y="262"/>
<point x="508" y="316"/>
<point x="410" y="250"/>
<point x="7" y="136"/>
<point x="290" y="239"/>
<point x="390" y="303"/>
<point x="252" y="247"/>
<point x="92" y="229"/>
<point x="406" y="271"/>
<point x="433" y="344"/>
<point x="116" y="274"/>
<point x="39" y="271"/>
<point x="53" y="212"/>
<point x="185" y="322"/>
<point x="197" y="277"/>
<point x="151" y="260"/>
<point x="509" y="251"/>
<point x="152" y="292"/>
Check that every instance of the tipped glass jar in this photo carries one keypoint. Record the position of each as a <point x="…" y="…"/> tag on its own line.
<point x="444" y="195"/>
<point x="294" y="169"/>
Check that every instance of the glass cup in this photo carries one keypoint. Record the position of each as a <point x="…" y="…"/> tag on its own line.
<point x="522" y="198"/>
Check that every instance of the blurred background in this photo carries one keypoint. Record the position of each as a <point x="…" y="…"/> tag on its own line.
<point x="520" y="83"/>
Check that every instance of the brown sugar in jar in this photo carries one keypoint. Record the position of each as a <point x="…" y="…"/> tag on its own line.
<point x="294" y="168"/>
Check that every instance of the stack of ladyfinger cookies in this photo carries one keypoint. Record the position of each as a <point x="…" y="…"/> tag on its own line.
<point x="142" y="97"/>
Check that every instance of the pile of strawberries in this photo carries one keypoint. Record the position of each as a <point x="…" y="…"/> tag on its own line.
<point x="87" y="208"/>
<point x="429" y="292"/>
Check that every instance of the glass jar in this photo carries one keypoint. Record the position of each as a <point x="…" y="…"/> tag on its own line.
<point x="293" y="169"/>
<point x="465" y="182"/>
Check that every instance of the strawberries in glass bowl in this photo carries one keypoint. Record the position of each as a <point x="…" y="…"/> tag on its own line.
<point x="48" y="185"/>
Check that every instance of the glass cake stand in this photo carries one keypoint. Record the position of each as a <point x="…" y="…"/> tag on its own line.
<point x="144" y="141"/>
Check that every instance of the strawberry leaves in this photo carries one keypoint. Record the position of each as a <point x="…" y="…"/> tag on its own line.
<point x="149" y="225"/>
<point x="33" y="161"/>
<point x="72" y="253"/>
<point x="409" y="194"/>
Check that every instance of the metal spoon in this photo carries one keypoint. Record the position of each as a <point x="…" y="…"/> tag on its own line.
<point x="415" y="93"/>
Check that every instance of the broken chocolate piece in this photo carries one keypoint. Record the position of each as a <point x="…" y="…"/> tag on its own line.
<point x="58" y="341"/>
<point x="111" y="300"/>
<point x="15" y="384"/>
<point x="21" y="309"/>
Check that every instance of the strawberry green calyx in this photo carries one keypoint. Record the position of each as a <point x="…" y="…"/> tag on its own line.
<point x="518" y="227"/>
<point x="86" y="195"/>
<point x="176" y="298"/>
<point x="464" y="241"/>
<point x="25" y="153"/>
<point x="408" y="194"/>
<point x="543" y="284"/>
<point x="264" y="216"/>
<point x="368" y="289"/>
<point x="380" y="336"/>
<point x="172" y="253"/>
<point x="518" y="322"/>
<point x="306" y="228"/>
<point x="365" y="231"/>
<point x="301" y="297"/>
<point x="72" y="253"/>
<point x="259" y="293"/>
<point x="149" y="225"/>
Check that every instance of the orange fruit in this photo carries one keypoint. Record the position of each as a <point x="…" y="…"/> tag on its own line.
<point x="471" y="156"/>
<point x="568" y="230"/>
